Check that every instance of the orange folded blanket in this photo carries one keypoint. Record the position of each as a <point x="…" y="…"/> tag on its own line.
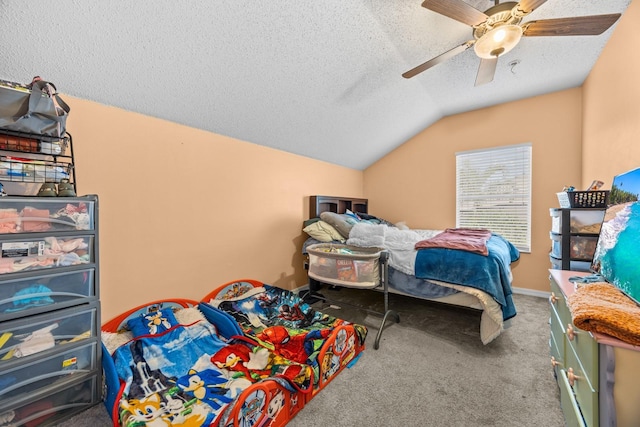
<point x="601" y="307"/>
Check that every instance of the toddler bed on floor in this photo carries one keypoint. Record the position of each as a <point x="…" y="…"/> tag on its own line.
<point x="184" y="363"/>
<point x="281" y="321"/>
<point x="471" y="275"/>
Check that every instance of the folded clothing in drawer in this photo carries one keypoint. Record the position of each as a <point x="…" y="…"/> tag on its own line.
<point x="24" y="337"/>
<point x="25" y="378"/>
<point x="22" y="297"/>
<point x="47" y="252"/>
<point x="344" y="265"/>
<point x="37" y="215"/>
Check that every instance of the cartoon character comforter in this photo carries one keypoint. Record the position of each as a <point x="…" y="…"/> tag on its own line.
<point x="281" y="320"/>
<point x="183" y="375"/>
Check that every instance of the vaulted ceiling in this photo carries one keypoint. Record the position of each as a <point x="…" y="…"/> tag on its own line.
<point x="320" y="79"/>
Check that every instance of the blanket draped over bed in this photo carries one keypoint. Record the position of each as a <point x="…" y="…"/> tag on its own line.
<point x="489" y="273"/>
<point x="465" y="239"/>
<point x="184" y="376"/>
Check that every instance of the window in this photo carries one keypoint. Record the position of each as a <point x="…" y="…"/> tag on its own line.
<point x="493" y="191"/>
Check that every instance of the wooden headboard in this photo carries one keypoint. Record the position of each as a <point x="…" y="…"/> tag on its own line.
<point x="319" y="204"/>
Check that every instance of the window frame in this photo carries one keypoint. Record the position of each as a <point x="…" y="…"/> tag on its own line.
<point x="507" y="167"/>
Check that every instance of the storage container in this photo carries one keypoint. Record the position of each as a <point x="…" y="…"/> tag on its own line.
<point x="586" y="221"/>
<point x="34" y="294"/>
<point x="24" y="378"/>
<point x="32" y="253"/>
<point x="580" y="247"/>
<point x="583" y="199"/>
<point x="344" y="265"/>
<point x="573" y="265"/>
<point x="48" y="332"/>
<point x="38" y="214"/>
<point x="51" y="405"/>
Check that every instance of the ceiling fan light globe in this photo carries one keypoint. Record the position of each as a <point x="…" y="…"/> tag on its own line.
<point x="498" y="41"/>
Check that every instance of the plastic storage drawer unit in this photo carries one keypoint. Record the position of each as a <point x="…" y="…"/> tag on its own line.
<point x="586" y="221"/>
<point x="50" y="405"/>
<point x="44" y="253"/>
<point x="344" y="265"/>
<point x="25" y="378"/>
<point x="573" y="265"/>
<point x="29" y="215"/>
<point x="580" y="247"/>
<point x="34" y="294"/>
<point x="24" y="337"/>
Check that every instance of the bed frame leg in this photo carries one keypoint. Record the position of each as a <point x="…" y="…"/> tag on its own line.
<point x="388" y="313"/>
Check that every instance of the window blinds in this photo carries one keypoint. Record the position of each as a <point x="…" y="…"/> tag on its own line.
<point x="493" y="191"/>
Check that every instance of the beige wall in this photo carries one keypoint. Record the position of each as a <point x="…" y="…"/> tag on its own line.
<point x="611" y="142"/>
<point x="182" y="210"/>
<point x="416" y="182"/>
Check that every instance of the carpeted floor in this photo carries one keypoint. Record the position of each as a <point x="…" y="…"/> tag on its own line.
<point x="432" y="370"/>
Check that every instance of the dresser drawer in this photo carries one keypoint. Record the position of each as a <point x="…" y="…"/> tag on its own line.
<point x="25" y="378"/>
<point x="559" y="304"/>
<point x="50" y="406"/>
<point x="33" y="336"/>
<point x="34" y="294"/>
<point x="37" y="214"/>
<point x="26" y="253"/>
<point x="570" y="408"/>
<point x="582" y="343"/>
<point x="586" y="393"/>
<point x="556" y="344"/>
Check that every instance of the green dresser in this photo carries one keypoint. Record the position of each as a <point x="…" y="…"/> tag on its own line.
<point x="598" y="375"/>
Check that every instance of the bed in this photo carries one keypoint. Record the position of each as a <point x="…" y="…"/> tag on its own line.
<point x="455" y="276"/>
<point x="282" y="321"/>
<point x="181" y="362"/>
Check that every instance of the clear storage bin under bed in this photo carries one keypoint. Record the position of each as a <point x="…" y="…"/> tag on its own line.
<point x="344" y="265"/>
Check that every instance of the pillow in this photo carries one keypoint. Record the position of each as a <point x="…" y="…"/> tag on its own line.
<point x="323" y="232"/>
<point x="189" y="315"/>
<point x="374" y="219"/>
<point x="343" y="223"/>
<point x="152" y="323"/>
<point x="113" y="340"/>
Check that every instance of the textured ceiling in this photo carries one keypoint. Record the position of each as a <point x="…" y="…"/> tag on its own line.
<point x="319" y="79"/>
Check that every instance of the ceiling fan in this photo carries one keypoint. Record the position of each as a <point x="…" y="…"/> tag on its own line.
<point x="498" y="29"/>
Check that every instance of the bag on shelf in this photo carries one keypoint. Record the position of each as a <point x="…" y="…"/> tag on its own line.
<point x="35" y="108"/>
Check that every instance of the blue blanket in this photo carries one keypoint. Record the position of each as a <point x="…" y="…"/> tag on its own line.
<point x="490" y="274"/>
<point x="188" y="375"/>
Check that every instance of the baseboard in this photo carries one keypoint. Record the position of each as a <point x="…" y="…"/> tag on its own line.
<point x="531" y="292"/>
<point x="299" y="289"/>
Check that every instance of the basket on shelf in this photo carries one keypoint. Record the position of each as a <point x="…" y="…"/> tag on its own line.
<point x="583" y="199"/>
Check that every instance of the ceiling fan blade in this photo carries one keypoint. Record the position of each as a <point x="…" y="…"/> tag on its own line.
<point x="486" y="71"/>
<point x="458" y="10"/>
<point x="576" y="26"/>
<point x="438" y="59"/>
<point x="528" y="6"/>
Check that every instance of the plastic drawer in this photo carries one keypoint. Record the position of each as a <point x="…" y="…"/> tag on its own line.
<point x="585" y="221"/>
<point x="51" y="406"/>
<point x="580" y="247"/>
<point x="573" y="265"/>
<point x="30" y="337"/>
<point x="38" y="214"/>
<point x="32" y="295"/>
<point x="30" y="253"/>
<point x="25" y="378"/>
